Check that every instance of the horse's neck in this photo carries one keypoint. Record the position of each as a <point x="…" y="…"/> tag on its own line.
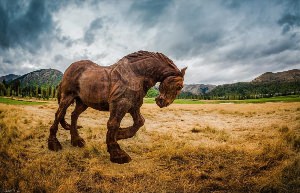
<point x="144" y="73"/>
<point x="153" y="71"/>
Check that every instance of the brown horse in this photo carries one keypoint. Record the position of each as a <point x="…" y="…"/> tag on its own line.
<point x="119" y="89"/>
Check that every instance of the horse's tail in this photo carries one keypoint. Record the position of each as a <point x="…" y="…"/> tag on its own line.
<point x="63" y="122"/>
<point x="59" y="93"/>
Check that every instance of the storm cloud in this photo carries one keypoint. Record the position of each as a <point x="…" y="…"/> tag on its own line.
<point x="220" y="41"/>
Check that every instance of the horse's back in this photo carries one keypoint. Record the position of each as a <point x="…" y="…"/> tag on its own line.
<point x="69" y="83"/>
<point x="87" y="80"/>
<point x="76" y="68"/>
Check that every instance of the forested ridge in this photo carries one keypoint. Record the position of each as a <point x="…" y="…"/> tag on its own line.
<point x="40" y="84"/>
<point x="43" y="84"/>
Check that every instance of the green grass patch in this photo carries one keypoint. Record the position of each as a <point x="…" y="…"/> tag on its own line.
<point x="177" y="101"/>
<point x="188" y="101"/>
<point x="10" y="101"/>
<point x="149" y="100"/>
<point x="290" y="98"/>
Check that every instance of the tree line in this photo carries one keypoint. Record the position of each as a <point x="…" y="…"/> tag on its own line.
<point x="16" y="89"/>
<point x="241" y="91"/>
<point x="248" y="90"/>
<point x="236" y="91"/>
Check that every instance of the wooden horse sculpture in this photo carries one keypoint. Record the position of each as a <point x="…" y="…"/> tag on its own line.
<point x="119" y="89"/>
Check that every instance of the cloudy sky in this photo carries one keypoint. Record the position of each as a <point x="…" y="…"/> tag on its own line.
<point x="221" y="41"/>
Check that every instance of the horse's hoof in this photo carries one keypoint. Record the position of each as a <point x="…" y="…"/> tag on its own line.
<point x="54" y="145"/>
<point x="120" y="159"/>
<point x="78" y="142"/>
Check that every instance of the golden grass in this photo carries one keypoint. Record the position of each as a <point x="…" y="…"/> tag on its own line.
<point x="183" y="148"/>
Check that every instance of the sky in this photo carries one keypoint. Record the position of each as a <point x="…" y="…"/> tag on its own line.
<point x="220" y="41"/>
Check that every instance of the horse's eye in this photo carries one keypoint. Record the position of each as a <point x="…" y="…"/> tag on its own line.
<point x="179" y="87"/>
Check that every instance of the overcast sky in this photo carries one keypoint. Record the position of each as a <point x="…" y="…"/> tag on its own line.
<point x="221" y="41"/>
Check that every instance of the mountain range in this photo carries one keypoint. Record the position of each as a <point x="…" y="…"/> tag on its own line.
<point x="9" y="77"/>
<point x="285" y="76"/>
<point x="266" y="85"/>
<point x="52" y="77"/>
<point x="284" y="79"/>
<point x="198" y="89"/>
<point x="42" y="77"/>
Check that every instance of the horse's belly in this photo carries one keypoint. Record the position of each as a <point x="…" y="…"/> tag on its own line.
<point x="94" y="95"/>
<point x="103" y="106"/>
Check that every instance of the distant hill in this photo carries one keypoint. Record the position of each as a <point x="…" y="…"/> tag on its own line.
<point x="43" y="77"/>
<point x="287" y="82"/>
<point x="197" y="89"/>
<point x="285" y="76"/>
<point x="8" y="77"/>
<point x="40" y="83"/>
<point x="188" y="90"/>
<point x="267" y="84"/>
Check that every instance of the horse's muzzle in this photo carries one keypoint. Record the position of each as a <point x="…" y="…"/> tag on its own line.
<point x="161" y="102"/>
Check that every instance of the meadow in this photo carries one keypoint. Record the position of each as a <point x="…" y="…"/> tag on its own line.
<point x="289" y="98"/>
<point x="226" y="147"/>
<point x="19" y="101"/>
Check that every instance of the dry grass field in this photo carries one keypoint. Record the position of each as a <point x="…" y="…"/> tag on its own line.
<point x="182" y="148"/>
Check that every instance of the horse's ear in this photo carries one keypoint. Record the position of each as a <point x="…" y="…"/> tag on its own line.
<point x="183" y="71"/>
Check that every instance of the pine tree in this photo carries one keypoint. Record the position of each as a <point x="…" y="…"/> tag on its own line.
<point x="47" y="92"/>
<point x="17" y="91"/>
<point x="37" y="91"/>
<point x="52" y="92"/>
<point x="8" y="91"/>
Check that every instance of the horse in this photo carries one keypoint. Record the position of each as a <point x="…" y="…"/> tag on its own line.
<point x="119" y="89"/>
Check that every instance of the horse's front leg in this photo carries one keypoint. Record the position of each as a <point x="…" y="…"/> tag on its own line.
<point x="117" y="112"/>
<point x="138" y="122"/>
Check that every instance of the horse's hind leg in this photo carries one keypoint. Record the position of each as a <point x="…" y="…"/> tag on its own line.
<point x="53" y="143"/>
<point x="76" y="140"/>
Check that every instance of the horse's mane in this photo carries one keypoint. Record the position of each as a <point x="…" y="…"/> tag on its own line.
<point x="142" y="55"/>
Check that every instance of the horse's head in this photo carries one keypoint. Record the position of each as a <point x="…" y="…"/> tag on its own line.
<point x="169" y="89"/>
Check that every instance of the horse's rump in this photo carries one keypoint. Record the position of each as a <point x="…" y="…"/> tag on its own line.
<point x="86" y="80"/>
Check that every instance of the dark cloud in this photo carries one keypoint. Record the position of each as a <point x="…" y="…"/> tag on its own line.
<point x="192" y="31"/>
<point x="149" y="11"/>
<point x="291" y="16"/>
<point x="25" y="28"/>
<point x="7" y="61"/>
<point x="3" y="26"/>
<point x="58" y="58"/>
<point x="90" y="33"/>
<point x="289" y="21"/>
<point x="277" y="46"/>
<point x="232" y="4"/>
<point x="244" y="53"/>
